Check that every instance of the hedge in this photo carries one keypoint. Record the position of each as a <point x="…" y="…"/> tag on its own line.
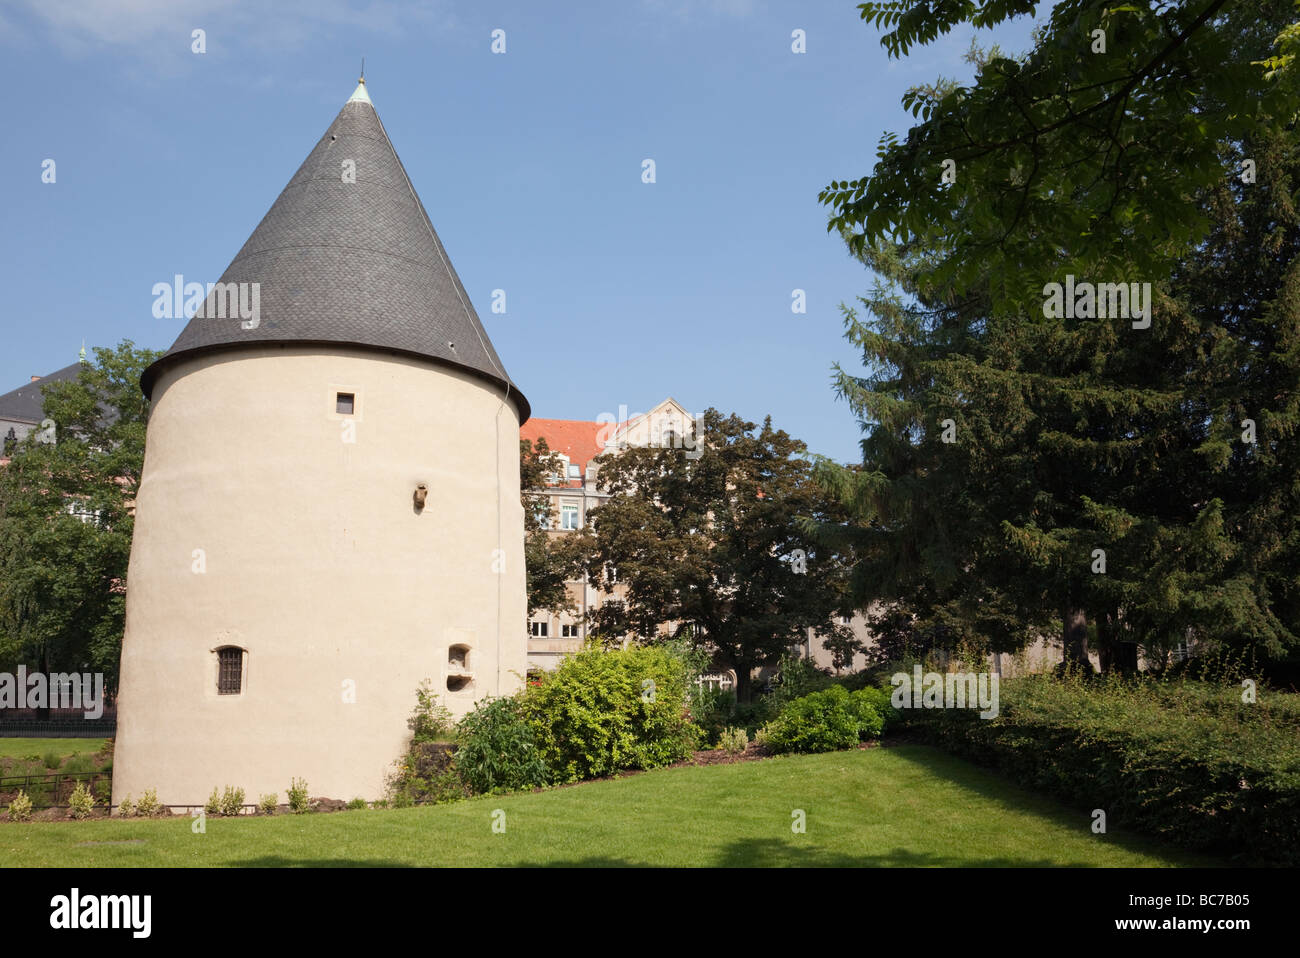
<point x="1188" y="762"/>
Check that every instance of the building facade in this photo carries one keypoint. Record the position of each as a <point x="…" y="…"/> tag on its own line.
<point x="581" y="447"/>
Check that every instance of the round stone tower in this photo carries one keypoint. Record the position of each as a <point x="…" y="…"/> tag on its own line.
<point x="329" y="510"/>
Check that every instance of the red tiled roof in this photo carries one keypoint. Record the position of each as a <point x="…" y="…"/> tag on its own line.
<point x="573" y="437"/>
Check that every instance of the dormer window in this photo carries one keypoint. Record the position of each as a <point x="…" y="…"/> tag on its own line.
<point x="574" y="471"/>
<point x="562" y="469"/>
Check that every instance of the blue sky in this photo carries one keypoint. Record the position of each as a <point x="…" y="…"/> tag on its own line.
<point x="529" y="163"/>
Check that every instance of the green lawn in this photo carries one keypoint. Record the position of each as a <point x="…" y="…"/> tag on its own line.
<point x="909" y="805"/>
<point x="37" y="747"/>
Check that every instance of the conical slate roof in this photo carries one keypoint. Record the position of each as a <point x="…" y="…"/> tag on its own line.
<point x="354" y="263"/>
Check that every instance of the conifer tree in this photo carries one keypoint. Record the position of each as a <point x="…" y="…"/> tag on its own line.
<point x="1022" y="471"/>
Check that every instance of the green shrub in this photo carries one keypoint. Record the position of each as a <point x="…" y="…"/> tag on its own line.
<point x="606" y="710"/>
<point x="42" y="793"/>
<point x="431" y="721"/>
<point x="357" y="804"/>
<point x="798" y="677"/>
<point x="426" y="774"/>
<point x="148" y="805"/>
<point x="825" y="721"/>
<point x="856" y="680"/>
<point x="498" y="750"/>
<point x="20" y="809"/>
<point x="103" y="790"/>
<point x="268" y="803"/>
<point x="1187" y="762"/>
<point x="298" y="801"/>
<point x="126" y="808"/>
<point x="80" y="802"/>
<point x="232" y="801"/>
<point x="79" y="764"/>
<point x="875" y="711"/>
<point x="752" y="716"/>
<point x="51" y="760"/>
<point x="439" y="786"/>
<point x="213" y="806"/>
<point x="712" y="710"/>
<point x="733" y="740"/>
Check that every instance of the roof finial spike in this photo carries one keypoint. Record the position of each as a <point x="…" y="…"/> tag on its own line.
<point x="82" y="355"/>
<point x="360" y="95"/>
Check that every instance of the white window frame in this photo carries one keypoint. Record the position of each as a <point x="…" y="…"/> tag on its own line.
<point x="572" y="508"/>
<point x="717" y="681"/>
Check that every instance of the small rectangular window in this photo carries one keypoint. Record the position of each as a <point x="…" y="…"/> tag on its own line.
<point x="568" y="515"/>
<point x="569" y="631"/>
<point x="345" y="403"/>
<point x="230" y="673"/>
<point x="538" y="629"/>
<point x="574" y="471"/>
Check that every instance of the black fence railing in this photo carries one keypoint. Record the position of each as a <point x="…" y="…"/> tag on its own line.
<point x="58" y="728"/>
<point x="49" y="790"/>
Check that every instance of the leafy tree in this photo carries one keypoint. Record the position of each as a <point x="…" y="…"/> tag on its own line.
<point x="63" y="575"/>
<point x="1002" y="451"/>
<point x="710" y="547"/>
<point x="1085" y="153"/>
<point x="549" y="557"/>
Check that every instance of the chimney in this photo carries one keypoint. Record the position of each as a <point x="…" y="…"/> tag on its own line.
<point x="34" y="378"/>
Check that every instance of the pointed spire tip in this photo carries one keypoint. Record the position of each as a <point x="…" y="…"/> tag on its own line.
<point x="360" y="95"/>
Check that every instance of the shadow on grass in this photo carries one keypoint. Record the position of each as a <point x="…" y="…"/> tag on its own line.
<point x="747" y="853"/>
<point x="992" y="787"/>
<point x="279" y="861"/>
<point x="780" y="853"/>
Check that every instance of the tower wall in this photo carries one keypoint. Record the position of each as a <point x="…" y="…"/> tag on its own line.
<point x="315" y="560"/>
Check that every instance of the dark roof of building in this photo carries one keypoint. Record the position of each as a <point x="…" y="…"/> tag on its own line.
<point x="25" y="404"/>
<point x="350" y="263"/>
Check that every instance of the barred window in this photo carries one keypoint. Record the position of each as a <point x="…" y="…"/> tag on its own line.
<point x="230" y="672"/>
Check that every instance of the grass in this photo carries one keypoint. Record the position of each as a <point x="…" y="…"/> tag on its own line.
<point x="37" y="747"/>
<point x="909" y="805"/>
